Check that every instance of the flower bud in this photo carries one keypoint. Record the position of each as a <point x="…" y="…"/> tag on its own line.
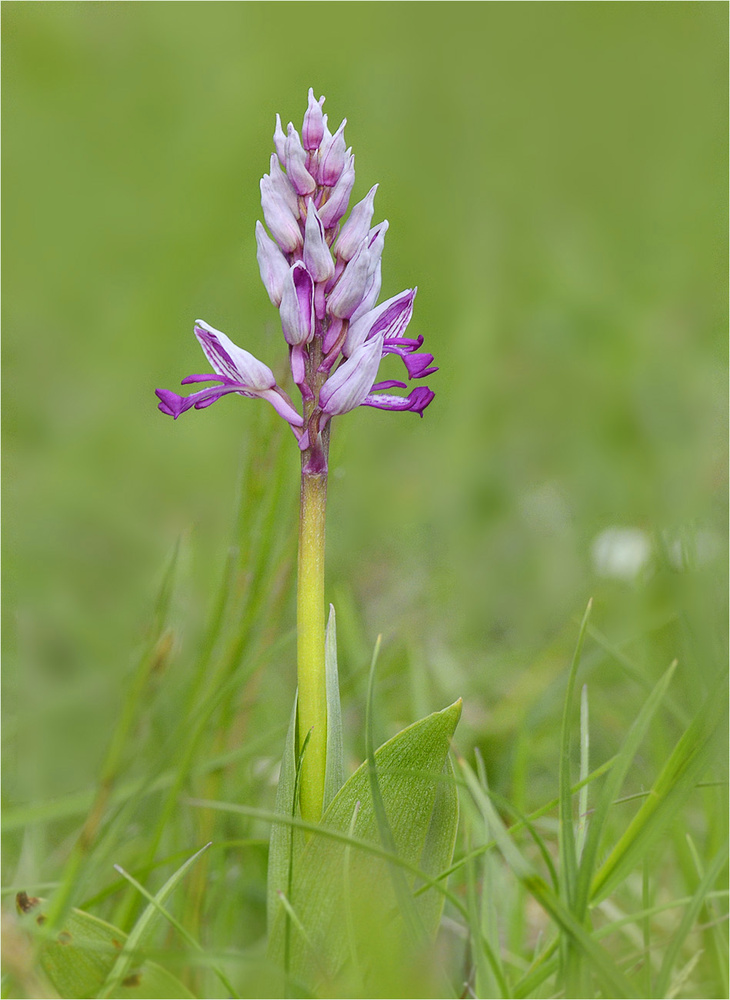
<point x="358" y="276"/>
<point x="376" y="239"/>
<point x="282" y="185"/>
<point x="332" y="156"/>
<point x="353" y="380"/>
<point x="370" y="295"/>
<point x="317" y="256"/>
<point x="272" y="264"/>
<point x="374" y="242"/>
<point x="336" y="205"/>
<point x="357" y="226"/>
<point x="347" y="294"/>
<point x="280" y="141"/>
<point x="313" y="125"/>
<point x="295" y="161"/>
<point x="279" y="217"/>
<point x="297" y="306"/>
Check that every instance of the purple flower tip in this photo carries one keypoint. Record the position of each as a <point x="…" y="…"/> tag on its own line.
<point x="420" y="398"/>
<point x="170" y="403"/>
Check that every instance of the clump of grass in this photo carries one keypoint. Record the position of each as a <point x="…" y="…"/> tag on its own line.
<point x="612" y="887"/>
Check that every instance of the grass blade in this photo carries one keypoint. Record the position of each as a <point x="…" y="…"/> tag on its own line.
<point x="689" y="918"/>
<point x="184" y="933"/>
<point x="584" y="771"/>
<point x="612" y="786"/>
<point x="674" y="785"/>
<point x="550" y="902"/>
<point x="567" y="845"/>
<point x="142" y="928"/>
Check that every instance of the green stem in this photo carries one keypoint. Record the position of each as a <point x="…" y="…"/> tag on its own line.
<point x="312" y="697"/>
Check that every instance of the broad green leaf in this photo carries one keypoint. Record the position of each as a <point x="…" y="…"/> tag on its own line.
<point x="440" y="842"/>
<point x="342" y="896"/>
<point x="78" y="959"/>
<point x="408" y="914"/>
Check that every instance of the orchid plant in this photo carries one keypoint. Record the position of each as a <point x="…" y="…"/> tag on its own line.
<point x="324" y="276"/>
<point x="323" y="273"/>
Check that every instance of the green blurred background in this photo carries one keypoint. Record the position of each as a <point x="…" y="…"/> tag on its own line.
<point x="555" y="180"/>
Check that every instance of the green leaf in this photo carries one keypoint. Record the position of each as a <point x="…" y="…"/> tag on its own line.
<point x="334" y="776"/>
<point x="438" y="850"/>
<point x="343" y="897"/>
<point x="284" y="837"/>
<point x="409" y="916"/>
<point x="78" y="959"/>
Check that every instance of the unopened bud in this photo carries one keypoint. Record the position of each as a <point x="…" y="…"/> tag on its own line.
<point x="282" y="185"/>
<point x="370" y="295"/>
<point x="297" y="305"/>
<point x="279" y="217"/>
<point x="317" y="256"/>
<point x="336" y="205"/>
<point x="272" y="264"/>
<point x="296" y="159"/>
<point x="358" y="276"/>
<point x="280" y="141"/>
<point x="357" y="226"/>
<point x="313" y="125"/>
<point x="332" y="157"/>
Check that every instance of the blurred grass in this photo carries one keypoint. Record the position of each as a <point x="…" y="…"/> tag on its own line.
<point x="554" y="176"/>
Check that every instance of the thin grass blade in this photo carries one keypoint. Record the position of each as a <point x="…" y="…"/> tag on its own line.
<point x="675" y="784"/>
<point x="689" y="918"/>
<point x="603" y="963"/>
<point x="567" y="845"/>
<point x="142" y="928"/>
<point x="612" y="786"/>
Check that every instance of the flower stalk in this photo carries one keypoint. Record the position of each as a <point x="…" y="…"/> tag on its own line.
<point x="311" y="676"/>
<point x="312" y="693"/>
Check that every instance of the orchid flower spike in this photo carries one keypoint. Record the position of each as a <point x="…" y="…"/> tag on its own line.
<point x="324" y="276"/>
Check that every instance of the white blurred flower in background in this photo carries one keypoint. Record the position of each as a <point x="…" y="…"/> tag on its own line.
<point x="620" y="553"/>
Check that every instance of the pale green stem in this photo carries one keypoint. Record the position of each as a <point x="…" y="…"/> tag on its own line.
<point x="312" y="697"/>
